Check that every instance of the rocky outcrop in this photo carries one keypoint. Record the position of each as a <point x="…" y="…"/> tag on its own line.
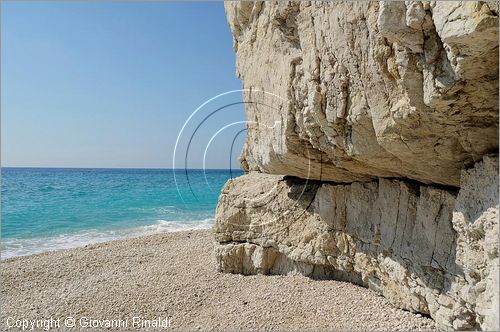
<point x="427" y="249"/>
<point x="475" y="221"/>
<point x="358" y="90"/>
<point x="371" y="152"/>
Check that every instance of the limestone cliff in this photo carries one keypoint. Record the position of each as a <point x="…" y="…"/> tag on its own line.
<point x="371" y="150"/>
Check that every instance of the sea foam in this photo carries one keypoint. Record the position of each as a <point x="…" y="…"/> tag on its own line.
<point x="13" y="247"/>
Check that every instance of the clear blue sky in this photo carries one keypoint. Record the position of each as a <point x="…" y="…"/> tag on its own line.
<point x="109" y="84"/>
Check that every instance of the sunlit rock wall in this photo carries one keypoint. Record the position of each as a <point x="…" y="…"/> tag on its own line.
<point x="371" y="152"/>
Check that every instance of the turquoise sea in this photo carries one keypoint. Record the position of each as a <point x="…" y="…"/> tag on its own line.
<point x="53" y="208"/>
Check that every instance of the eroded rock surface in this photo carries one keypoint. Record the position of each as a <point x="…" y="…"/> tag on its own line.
<point x="359" y="90"/>
<point x="426" y="249"/>
<point x="372" y="144"/>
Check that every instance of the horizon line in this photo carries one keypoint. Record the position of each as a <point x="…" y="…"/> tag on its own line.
<point x="163" y="168"/>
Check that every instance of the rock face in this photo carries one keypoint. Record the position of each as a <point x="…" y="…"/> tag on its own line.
<point x="371" y="152"/>
<point x="354" y="91"/>
<point x="426" y="249"/>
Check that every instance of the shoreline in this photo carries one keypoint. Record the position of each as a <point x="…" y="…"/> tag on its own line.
<point x="92" y="237"/>
<point x="172" y="275"/>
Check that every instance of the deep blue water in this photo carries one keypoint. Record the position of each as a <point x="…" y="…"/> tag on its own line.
<point x="53" y="208"/>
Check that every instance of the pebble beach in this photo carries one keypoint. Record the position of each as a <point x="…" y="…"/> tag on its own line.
<point x="169" y="282"/>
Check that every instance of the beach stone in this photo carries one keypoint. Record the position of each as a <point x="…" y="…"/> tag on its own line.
<point x="174" y="281"/>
